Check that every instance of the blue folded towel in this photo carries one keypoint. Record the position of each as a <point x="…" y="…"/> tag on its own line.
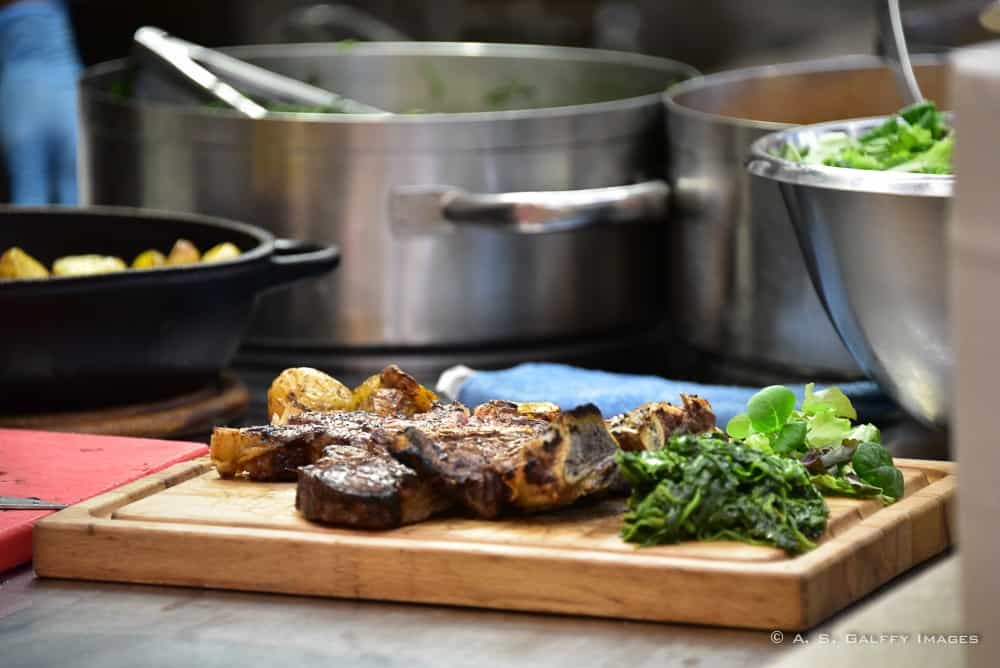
<point x="616" y="393"/>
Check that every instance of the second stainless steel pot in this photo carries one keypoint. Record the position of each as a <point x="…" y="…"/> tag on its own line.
<point x="430" y="209"/>
<point x="742" y="292"/>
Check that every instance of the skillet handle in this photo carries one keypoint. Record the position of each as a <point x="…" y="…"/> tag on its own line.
<point x="294" y="260"/>
<point x="415" y="209"/>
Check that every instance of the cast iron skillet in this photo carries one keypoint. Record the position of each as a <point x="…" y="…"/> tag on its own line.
<point x="137" y="335"/>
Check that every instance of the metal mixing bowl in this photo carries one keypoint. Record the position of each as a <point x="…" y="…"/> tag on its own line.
<point x="874" y="243"/>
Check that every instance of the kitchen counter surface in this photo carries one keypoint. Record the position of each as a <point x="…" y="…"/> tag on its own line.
<point x="81" y="624"/>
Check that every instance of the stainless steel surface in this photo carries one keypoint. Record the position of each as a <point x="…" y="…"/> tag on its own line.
<point x="28" y="503"/>
<point x="874" y="244"/>
<point x="172" y="59"/>
<point x="257" y="80"/>
<point x="563" y="119"/>
<point x="425" y="209"/>
<point x="891" y="29"/>
<point x="741" y="290"/>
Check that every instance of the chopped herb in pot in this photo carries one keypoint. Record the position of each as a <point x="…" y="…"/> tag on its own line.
<point x="706" y="488"/>
<point x="915" y="139"/>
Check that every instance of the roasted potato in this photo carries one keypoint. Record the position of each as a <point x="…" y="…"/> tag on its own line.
<point x="393" y="392"/>
<point x="540" y="410"/>
<point x="183" y="252"/>
<point x="87" y="265"/>
<point x="221" y="252"/>
<point x="148" y="259"/>
<point x="303" y="389"/>
<point x="15" y="263"/>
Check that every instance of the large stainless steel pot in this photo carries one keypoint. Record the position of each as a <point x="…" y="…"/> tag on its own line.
<point x="742" y="291"/>
<point x="588" y="122"/>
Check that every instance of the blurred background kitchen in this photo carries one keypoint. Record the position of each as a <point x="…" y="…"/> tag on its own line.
<point x="741" y="308"/>
<point x="720" y="294"/>
<point x="708" y="34"/>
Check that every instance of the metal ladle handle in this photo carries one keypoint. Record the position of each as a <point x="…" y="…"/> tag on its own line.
<point x="894" y="42"/>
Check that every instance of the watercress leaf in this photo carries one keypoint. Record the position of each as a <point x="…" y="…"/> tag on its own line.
<point x="873" y="464"/>
<point x="770" y="408"/>
<point x="791" y="438"/>
<point x="739" y="426"/>
<point x="826" y="429"/>
<point x="864" y="433"/>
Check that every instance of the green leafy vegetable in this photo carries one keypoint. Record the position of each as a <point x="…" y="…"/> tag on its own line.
<point x="769" y="409"/>
<point x="831" y="399"/>
<point x="915" y="139"/>
<point x="706" y="488"/>
<point x="827" y="429"/>
<point x="848" y="485"/>
<point x="823" y="437"/>
<point x="873" y="464"/>
<point x="791" y="438"/>
<point x="738" y="426"/>
<point x="864" y="433"/>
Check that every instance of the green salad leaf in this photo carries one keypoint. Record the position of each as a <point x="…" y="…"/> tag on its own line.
<point x="706" y="488"/>
<point x="873" y="464"/>
<point x="915" y="139"/>
<point x="769" y="409"/>
<point x="826" y="429"/>
<point x="849" y="485"/>
<point x="844" y="458"/>
<point x="791" y="438"/>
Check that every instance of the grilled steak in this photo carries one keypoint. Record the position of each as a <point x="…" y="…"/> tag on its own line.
<point x="406" y="457"/>
<point x="651" y="425"/>
<point x="361" y="485"/>
<point x="505" y="457"/>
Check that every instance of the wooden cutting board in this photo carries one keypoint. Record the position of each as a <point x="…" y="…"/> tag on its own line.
<point x="185" y="526"/>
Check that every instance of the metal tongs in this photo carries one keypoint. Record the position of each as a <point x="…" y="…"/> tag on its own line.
<point x="212" y="75"/>
<point x="894" y="42"/>
<point x="28" y="503"/>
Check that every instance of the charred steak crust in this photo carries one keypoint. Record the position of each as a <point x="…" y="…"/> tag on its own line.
<point x="651" y="425"/>
<point x="573" y="459"/>
<point x="503" y="459"/>
<point x="469" y="462"/>
<point x="361" y="485"/>
<point x="270" y="453"/>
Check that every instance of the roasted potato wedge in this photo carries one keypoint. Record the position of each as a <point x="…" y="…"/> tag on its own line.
<point x="148" y="259"/>
<point x="221" y="252"/>
<point x="541" y="410"/>
<point x="15" y="263"/>
<point x="303" y="389"/>
<point x="87" y="265"/>
<point x="393" y="392"/>
<point x="183" y="252"/>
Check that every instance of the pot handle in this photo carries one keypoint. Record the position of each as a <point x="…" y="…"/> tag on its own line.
<point x="294" y="260"/>
<point x="414" y="209"/>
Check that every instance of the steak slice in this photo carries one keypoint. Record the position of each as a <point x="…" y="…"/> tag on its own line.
<point x="275" y="452"/>
<point x="506" y="457"/>
<point x="651" y="425"/>
<point x="345" y="473"/>
<point x="361" y="485"/>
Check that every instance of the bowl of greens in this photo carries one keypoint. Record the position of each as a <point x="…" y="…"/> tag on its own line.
<point x="869" y="202"/>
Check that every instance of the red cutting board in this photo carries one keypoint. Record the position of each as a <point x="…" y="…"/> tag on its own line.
<point x="69" y="468"/>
